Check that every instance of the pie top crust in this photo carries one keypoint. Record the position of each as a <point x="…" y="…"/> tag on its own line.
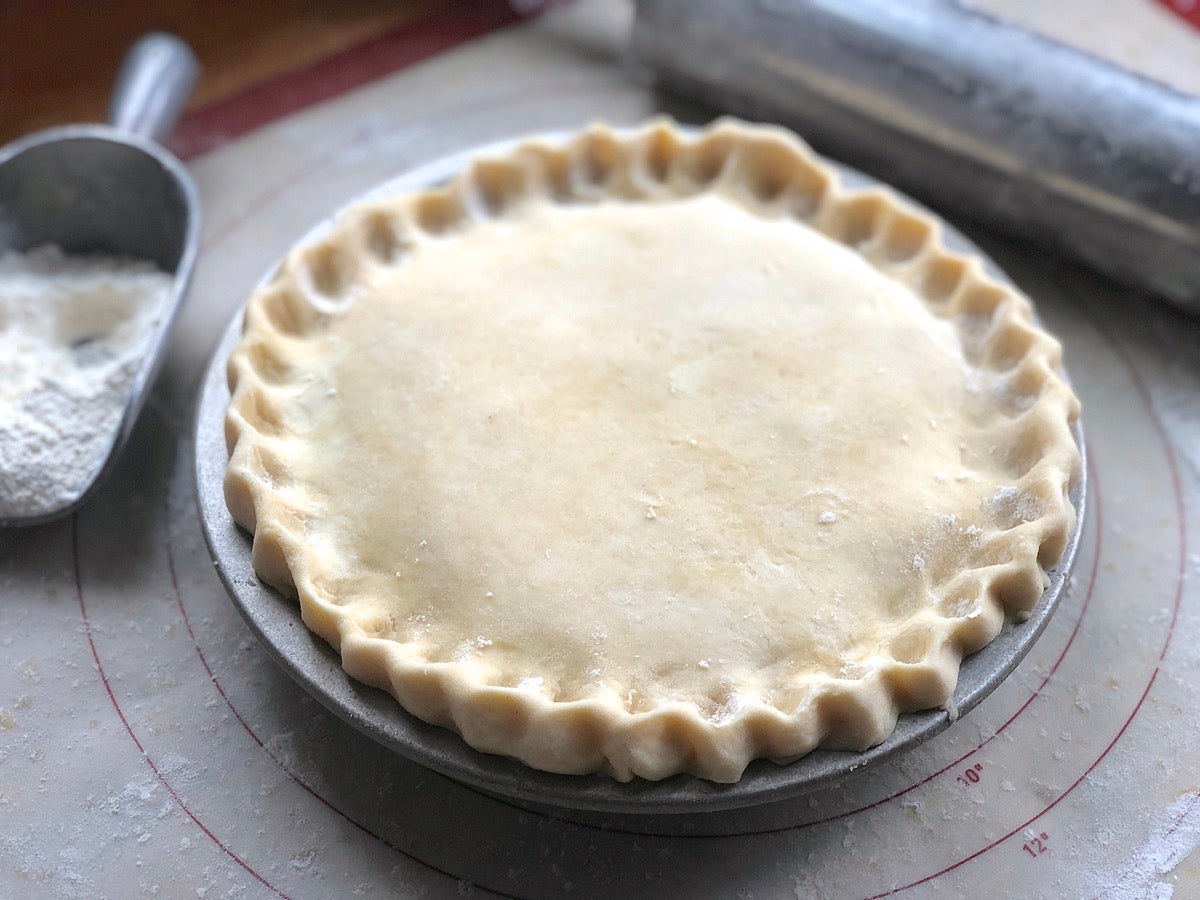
<point x="647" y="453"/>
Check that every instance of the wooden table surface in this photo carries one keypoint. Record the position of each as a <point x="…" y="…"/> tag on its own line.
<point x="59" y="58"/>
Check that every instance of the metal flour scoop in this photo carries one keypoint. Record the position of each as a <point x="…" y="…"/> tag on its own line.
<point x="112" y="189"/>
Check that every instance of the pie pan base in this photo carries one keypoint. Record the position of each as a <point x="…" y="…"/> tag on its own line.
<point x="317" y="667"/>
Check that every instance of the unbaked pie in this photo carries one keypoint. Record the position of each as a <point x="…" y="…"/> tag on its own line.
<point x="649" y="453"/>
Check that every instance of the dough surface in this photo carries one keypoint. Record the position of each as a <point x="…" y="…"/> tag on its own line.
<point x="621" y="472"/>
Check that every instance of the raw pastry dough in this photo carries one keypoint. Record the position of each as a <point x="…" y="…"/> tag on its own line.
<point x="650" y="454"/>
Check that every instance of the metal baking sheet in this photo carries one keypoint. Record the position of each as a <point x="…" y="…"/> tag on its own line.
<point x="316" y="666"/>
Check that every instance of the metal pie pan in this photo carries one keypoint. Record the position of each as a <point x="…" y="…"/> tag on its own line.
<point x="275" y="619"/>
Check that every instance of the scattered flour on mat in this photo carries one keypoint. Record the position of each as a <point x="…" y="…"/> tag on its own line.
<point x="73" y="330"/>
<point x="1146" y="874"/>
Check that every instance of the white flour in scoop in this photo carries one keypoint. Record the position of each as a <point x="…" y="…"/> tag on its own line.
<point x="73" y="330"/>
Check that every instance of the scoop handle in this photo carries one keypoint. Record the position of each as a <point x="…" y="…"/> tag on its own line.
<point x="153" y="85"/>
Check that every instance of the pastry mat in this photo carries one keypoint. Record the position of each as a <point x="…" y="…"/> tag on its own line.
<point x="149" y="745"/>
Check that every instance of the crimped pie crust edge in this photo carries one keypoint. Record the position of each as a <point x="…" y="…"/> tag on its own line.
<point x="771" y="173"/>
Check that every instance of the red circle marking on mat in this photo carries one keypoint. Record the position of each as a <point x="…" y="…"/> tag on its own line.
<point x="271" y="193"/>
<point x="1173" y="469"/>
<point x="179" y="801"/>
<point x="87" y="627"/>
<point x="292" y="775"/>
<point x="1170" y="458"/>
<point x="204" y="662"/>
<point x="1180" y="514"/>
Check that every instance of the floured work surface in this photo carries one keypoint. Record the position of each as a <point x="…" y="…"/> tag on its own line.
<point x="148" y="742"/>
